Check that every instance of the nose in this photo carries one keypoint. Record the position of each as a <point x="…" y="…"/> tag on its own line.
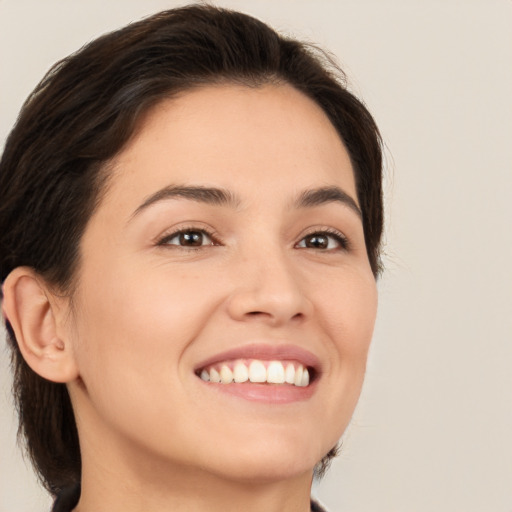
<point x="269" y="289"/>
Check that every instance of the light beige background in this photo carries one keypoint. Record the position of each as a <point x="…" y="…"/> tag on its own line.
<point x="433" y="430"/>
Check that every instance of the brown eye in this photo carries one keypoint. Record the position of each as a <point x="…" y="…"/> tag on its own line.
<point x="191" y="238"/>
<point x="316" y="242"/>
<point x="188" y="238"/>
<point x="323" y="241"/>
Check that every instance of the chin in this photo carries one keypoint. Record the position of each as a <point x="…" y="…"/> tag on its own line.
<point x="273" y="459"/>
<point x="264" y="471"/>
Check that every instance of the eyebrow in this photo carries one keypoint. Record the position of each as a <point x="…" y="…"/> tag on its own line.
<point x="323" y="195"/>
<point x="209" y="195"/>
<point x="223" y="197"/>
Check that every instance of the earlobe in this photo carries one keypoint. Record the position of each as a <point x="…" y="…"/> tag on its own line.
<point x="30" y="308"/>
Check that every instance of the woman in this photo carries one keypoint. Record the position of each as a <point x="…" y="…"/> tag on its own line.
<point x="191" y="218"/>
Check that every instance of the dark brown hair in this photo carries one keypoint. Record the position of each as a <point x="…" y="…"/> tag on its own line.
<point x="82" y="114"/>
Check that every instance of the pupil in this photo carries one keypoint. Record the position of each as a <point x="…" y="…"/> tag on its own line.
<point x="317" y="242"/>
<point x="193" y="238"/>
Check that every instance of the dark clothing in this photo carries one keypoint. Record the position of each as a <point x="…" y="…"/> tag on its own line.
<point x="68" y="500"/>
<point x="316" y="507"/>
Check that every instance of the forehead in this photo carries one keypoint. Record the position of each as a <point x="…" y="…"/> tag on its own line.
<point x="234" y="137"/>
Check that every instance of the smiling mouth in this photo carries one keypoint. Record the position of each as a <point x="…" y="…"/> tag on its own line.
<point x="257" y="371"/>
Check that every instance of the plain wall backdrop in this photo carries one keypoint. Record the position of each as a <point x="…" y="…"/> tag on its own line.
<point x="433" y="429"/>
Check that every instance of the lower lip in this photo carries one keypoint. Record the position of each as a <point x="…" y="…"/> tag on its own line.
<point x="266" y="393"/>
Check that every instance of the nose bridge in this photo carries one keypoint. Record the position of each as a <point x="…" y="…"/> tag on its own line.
<point x="268" y="285"/>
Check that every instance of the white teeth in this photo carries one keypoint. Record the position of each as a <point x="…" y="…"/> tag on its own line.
<point x="257" y="372"/>
<point x="305" y="378"/>
<point x="298" y="376"/>
<point x="240" y="372"/>
<point x="214" y="375"/>
<point x="290" y="374"/>
<point x="275" y="373"/>
<point x="226" y="375"/>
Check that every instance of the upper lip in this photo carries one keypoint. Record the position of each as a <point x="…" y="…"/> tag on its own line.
<point x="265" y="352"/>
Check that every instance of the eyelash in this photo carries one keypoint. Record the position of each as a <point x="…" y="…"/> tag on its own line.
<point x="164" y="241"/>
<point x="340" y="239"/>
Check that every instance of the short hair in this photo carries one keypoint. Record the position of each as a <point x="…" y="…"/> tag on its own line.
<point x="84" y="111"/>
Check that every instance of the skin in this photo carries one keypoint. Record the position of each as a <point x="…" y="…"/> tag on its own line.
<point x="148" y="310"/>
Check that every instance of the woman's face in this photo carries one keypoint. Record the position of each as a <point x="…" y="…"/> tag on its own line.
<point x="229" y="241"/>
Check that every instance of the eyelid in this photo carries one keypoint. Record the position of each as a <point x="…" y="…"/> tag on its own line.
<point x="343" y="241"/>
<point x="162" y="239"/>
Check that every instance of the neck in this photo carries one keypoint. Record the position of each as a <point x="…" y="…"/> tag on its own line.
<point x="185" y="489"/>
<point x="115" y="481"/>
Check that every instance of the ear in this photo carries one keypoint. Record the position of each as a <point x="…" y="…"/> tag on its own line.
<point x="37" y="317"/>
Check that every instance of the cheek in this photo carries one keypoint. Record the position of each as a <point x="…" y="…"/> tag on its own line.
<point x="349" y="309"/>
<point x="131" y="335"/>
<point x="135" y="323"/>
<point x="349" y="312"/>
